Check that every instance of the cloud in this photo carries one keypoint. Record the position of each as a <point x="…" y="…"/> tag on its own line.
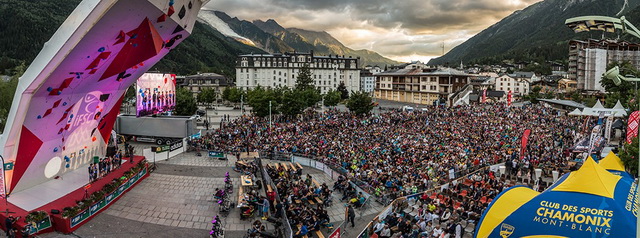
<point x="396" y="29"/>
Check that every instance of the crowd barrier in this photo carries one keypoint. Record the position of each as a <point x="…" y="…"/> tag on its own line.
<point x="367" y="231"/>
<point x="287" y="232"/>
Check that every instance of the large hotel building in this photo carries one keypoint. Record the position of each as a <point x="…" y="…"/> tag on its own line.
<point x="273" y="70"/>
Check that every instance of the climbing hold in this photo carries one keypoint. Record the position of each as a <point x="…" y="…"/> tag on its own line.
<point x="101" y="49"/>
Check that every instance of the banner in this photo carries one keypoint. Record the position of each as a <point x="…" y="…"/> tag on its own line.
<point x="632" y="127"/>
<point x="589" y="202"/>
<point x="216" y="154"/>
<point x="484" y="96"/>
<point x="2" y="192"/>
<point x="335" y="234"/>
<point x="525" y="139"/>
<point x="176" y="145"/>
<point x="95" y="208"/>
<point x="509" y="98"/>
<point x="160" y="149"/>
<point x="594" y="136"/>
<point x="607" y="130"/>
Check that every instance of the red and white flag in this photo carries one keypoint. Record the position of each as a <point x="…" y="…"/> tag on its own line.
<point x="509" y="98"/>
<point x="484" y="96"/>
<point x="525" y="139"/>
<point x="632" y="126"/>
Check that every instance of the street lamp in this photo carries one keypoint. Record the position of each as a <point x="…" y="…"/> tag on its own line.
<point x="614" y="74"/>
<point x="269" y="117"/>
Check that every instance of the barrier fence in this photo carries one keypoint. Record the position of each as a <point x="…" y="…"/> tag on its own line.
<point x="287" y="232"/>
<point x="368" y="230"/>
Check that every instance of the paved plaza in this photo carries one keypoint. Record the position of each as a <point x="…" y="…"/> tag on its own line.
<point x="176" y="201"/>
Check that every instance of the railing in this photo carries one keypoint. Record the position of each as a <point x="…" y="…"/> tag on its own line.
<point x="455" y="97"/>
<point x="287" y="232"/>
<point x="367" y="231"/>
<point x="333" y="170"/>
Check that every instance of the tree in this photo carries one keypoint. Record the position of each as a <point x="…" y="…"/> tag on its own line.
<point x="304" y="80"/>
<point x="130" y="95"/>
<point x="207" y="96"/>
<point x="360" y="103"/>
<point x="332" y="98"/>
<point x="344" y="94"/>
<point x="233" y="94"/>
<point x="623" y="92"/>
<point x="293" y="102"/>
<point x="7" y="91"/>
<point x="310" y="96"/>
<point x="185" y="103"/>
<point x="259" y="97"/>
<point x="629" y="156"/>
<point x="534" y="94"/>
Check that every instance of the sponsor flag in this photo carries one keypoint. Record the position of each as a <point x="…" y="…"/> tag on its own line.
<point x="484" y="96"/>
<point x="525" y="139"/>
<point x="632" y="126"/>
<point x="509" y="98"/>
<point x="608" y="125"/>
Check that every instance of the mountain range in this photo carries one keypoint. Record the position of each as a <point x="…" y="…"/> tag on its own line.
<point x="272" y="37"/>
<point x="534" y="33"/>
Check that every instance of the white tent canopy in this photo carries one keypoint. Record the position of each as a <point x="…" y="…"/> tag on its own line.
<point x="575" y="112"/>
<point x="617" y="111"/>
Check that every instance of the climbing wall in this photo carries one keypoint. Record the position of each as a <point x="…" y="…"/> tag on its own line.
<point x="65" y="113"/>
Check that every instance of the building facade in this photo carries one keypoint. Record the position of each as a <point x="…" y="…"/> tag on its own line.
<point x="195" y="83"/>
<point x="280" y="70"/>
<point x="367" y="78"/>
<point x="419" y="85"/>
<point x="588" y="60"/>
<point x="517" y="85"/>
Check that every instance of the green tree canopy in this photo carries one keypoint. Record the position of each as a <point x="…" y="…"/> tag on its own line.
<point x="309" y="96"/>
<point x="7" y="91"/>
<point x="360" y="103"/>
<point x="293" y="102"/>
<point x="344" y="94"/>
<point x="185" y="102"/>
<point x="534" y="95"/>
<point x="259" y="97"/>
<point x="304" y="80"/>
<point x="207" y="95"/>
<point x="629" y="156"/>
<point x="233" y="94"/>
<point x="332" y="98"/>
<point x="623" y="92"/>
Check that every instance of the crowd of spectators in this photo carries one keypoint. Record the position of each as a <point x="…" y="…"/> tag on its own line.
<point x="407" y="152"/>
<point x="304" y="200"/>
<point x="450" y="211"/>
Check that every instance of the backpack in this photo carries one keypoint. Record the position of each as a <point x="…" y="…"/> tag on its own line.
<point x="452" y="228"/>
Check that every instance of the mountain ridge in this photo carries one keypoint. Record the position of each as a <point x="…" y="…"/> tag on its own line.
<point x="533" y="33"/>
<point x="300" y="40"/>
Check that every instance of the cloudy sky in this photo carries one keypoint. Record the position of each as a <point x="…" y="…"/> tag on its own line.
<point x="403" y="30"/>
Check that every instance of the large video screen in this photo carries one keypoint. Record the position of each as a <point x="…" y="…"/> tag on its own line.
<point x="155" y="94"/>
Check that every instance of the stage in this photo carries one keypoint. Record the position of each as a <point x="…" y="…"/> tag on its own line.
<point x="64" y="192"/>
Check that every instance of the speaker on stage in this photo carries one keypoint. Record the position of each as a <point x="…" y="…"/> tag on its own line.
<point x="55" y="211"/>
